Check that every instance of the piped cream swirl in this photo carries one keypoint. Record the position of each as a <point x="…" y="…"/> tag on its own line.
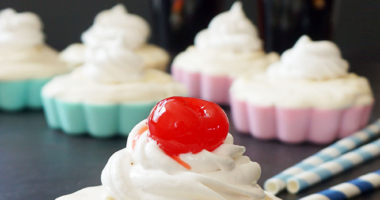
<point x="309" y="75"/>
<point x="20" y="30"/>
<point x="146" y="172"/>
<point x="320" y="60"/>
<point x="117" y="21"/>
<point x="230" y="30"/>
<point x="23" y="54"/>
<point x="112" y="63"/>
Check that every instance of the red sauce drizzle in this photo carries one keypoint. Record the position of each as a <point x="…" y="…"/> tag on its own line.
<point x="139" y="133"/>
<point x="175" y="158"/>
<point x="181" y="162"/>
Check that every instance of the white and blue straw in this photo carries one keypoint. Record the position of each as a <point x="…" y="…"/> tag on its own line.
<point x="277" y="183"/>
<point x="353" y="188"/>
<point x="329" y="169"/>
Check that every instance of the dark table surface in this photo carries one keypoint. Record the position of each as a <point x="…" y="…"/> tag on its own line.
<point x="37" y="163"/>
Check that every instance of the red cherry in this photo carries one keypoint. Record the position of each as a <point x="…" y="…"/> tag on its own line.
<point x="187" y="125"/>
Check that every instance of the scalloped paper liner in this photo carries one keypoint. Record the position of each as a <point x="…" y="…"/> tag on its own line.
<point x="97" y="120"/>
<point x="21" y="94"/>
<point x="298" y="125"/>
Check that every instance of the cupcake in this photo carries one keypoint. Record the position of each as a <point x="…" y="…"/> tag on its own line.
<point x="182" y="151"/>
<point x="108" y="94"/>
<point x="26" y="62"/>
<point x="228" y="48"/>
<point x="308" y="95"/>
<point x="114" y="22"/>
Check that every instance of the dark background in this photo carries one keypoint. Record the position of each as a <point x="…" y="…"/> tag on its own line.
<point x="357" y="30"/>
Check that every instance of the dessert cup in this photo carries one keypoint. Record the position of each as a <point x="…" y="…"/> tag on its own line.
<point x="98" y="120"/>
<point x="307" y="96"/>
<point x="114" y="22"/>
<point x="228" y="48"/>
<point x="26" y="62"/>
<point x="159" y="163"/>
<point x="16" y="95"/>
<point x="108" y="94"/>
<point x="102" y="109"/>
<point x="296" y="125"/>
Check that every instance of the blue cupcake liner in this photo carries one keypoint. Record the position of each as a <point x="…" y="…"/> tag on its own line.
<point x="98" y="120"/>
<point x="21" y="94"/>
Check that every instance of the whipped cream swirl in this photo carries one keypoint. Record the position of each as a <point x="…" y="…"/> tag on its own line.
<point x="320" y="60"/>
<point x="112" y="63"/>
<point x="117" y="21"/>
<point x="20" y="30"/>
<point x="146" y="172"/>
<point x="230" y="30"/>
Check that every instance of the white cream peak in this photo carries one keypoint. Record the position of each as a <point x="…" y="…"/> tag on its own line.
<point x="112" y="63"/>
<point x="109" y="24"/>
<point x="20" y="30"/>
<point x="230" y="30"/>
<point x="320" y="60"/>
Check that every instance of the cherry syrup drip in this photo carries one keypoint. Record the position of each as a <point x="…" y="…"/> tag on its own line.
<point x="175" y="158"/>
<point x="137" y="136"/>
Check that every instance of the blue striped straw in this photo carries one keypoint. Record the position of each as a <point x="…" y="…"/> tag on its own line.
<point x="278" y="183"/>
<point x="329" y="169"/>
<point x="353" y="188"/>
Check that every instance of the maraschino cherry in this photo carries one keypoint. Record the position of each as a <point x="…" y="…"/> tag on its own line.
<point x="187" y="125"/>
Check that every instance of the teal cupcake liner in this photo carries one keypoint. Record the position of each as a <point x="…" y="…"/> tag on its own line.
<point x="21" y="94"/>
<point x="98" y="120"/>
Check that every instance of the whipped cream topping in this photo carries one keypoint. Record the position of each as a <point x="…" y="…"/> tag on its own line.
<point x="112" y="23"/>
<point x="153" y="86"/>
<point x="73" y="55"/>
<point x="229" y="46"/>
<point x="113" y="73"/>
<point x="40" y="61"/>
<point x="146" y="172"/>
<point x="338" y="93"/>
<point x="310" y="60"/>
<point x="23" y="54"/>
<point x="20" y="30"/>
<point x="231" y="31"/>
<point x="224" y="63"/>
<point x="112" y="63"/>
<point x="152" y="56"/>
<point x="310" y="75"/>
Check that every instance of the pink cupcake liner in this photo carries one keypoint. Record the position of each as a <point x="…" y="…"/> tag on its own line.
<point x="208" y="87"/>
<point x="190" y="79"/>
<point x="298" y="125"/>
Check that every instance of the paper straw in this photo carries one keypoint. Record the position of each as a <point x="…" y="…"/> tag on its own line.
<point x="353" y="188"/>
<point x="278" y="183"/>
<point x="329" y="169"/>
